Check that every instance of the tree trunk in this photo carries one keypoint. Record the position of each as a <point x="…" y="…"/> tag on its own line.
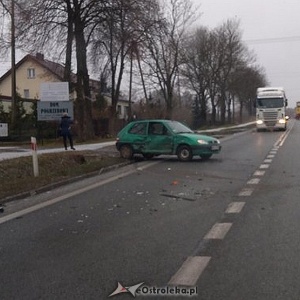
<point x="213" y="114"/>
<point x="70" y="36"/>
<point x="223" y="108"/>
<point x="84" y="105"/>
<point x="241" y="112"/>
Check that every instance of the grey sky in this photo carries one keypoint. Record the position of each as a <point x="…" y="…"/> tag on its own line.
<point x="271" y="28"/>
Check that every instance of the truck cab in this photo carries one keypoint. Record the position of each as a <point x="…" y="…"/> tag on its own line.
<point x="271" y="105"/>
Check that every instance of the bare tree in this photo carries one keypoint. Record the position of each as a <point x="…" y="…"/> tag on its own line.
<point x="196" y="56"/>
<point x="118" y="35"/>
<point x="5" y="42"/>
<point x="164" y="43"/>
<point x="212" y="56"/>
<point x="243" y="84"/>
<point x="64" y="23"/>
<point x="232" y="53"/>
<point x="202" y="68"/>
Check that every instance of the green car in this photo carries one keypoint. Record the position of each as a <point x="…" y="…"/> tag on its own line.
<point x="155" y="137"/>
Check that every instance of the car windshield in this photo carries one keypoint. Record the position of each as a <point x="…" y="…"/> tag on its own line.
<point x="177" y="127"/>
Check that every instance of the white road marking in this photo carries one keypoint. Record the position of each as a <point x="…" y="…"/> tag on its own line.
<point x="218" y="231"/>
<point x="267" y="161"/>
<point x="246" y="192"/>
<point x="190" y="271"/>
<point x="283" y="137"/>
<point x="254" y="181"/>
<point x="235" y="207"/>
<point x="271" y="156"/>
<point x="259" y="173"/>
<point x="264" y="166"/>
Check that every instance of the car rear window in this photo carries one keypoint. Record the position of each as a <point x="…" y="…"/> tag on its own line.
<point x="138" y="128"/>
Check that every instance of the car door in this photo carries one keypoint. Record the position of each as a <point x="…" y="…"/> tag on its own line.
<point x="160" y="139"/>
<point x="137" y="136"/>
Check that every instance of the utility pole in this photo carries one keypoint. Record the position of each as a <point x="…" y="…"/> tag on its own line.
<point x="130" y="84"/>
<point x="13" y="68"/>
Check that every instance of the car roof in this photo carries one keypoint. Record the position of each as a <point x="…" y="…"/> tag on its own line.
<point x="155" y="120"/>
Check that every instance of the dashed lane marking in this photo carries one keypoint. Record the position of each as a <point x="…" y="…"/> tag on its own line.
<point x="259" y="173"/>
<point x="235" y="207"/>
<point x="267" y="161"/>
<point x="254" y="181"/>
<point x="264" y="166"/>
<point x="218" y="231"/>
<point x="190" y="271"/>
<point x="246" y="192"/>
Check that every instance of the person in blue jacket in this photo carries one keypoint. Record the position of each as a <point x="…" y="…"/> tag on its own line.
<point x="65" y="130"/>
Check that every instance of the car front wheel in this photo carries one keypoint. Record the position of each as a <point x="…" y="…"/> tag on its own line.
<point x="184" y="153"/>
<point x="126" y="152"/>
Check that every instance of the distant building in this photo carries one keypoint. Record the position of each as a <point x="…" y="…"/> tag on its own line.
<point x="32" y="70"/>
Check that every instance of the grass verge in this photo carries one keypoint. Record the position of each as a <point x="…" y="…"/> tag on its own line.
<point x="16" y="175"/>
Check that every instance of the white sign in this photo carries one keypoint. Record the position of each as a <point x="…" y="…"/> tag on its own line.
<point x="3" y="129"/>
<point x="53" y="110"/>
<point x="54" y="91"/>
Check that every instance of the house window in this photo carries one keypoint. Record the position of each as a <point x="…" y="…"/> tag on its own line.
<point x="26" y="94"/>
<point x="30" y="73"/>
<point x="126" y="112"/>
<point x="119" y="111"/>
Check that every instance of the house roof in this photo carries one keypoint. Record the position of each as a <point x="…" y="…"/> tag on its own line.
<point x="53" y="67"/>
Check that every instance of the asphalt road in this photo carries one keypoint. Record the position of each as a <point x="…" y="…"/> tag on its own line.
<point x="226" y="227"/>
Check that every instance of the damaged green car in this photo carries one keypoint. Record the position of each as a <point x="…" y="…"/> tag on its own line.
<point x="164" y="137"/>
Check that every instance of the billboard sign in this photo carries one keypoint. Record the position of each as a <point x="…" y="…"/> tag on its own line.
<point x="3" y="129"/>
<point x="54" y="91"/>
<point x="53" y="110"/>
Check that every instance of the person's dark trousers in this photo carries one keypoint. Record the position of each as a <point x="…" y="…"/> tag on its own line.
<point x="65" y="137"/>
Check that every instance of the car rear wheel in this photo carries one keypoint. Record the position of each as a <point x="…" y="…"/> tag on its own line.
<point x="126" y="151"/>
<point x="184" y="153"/>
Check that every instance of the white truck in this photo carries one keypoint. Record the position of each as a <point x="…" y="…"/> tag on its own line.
<point x="271" y="103"/>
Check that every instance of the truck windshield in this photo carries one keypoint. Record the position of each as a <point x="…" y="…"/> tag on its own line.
<point x="270" y="102"/>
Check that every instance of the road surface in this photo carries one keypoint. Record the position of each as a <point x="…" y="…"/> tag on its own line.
<point x="226" y="228"/>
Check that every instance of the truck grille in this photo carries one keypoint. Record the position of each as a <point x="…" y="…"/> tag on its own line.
<point x="270" y="118"/>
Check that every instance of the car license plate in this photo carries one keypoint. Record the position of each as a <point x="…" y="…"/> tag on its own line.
<point x="215" y="147"/>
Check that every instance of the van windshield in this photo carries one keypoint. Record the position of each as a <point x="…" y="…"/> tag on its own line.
<point x="270" y="102"/>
